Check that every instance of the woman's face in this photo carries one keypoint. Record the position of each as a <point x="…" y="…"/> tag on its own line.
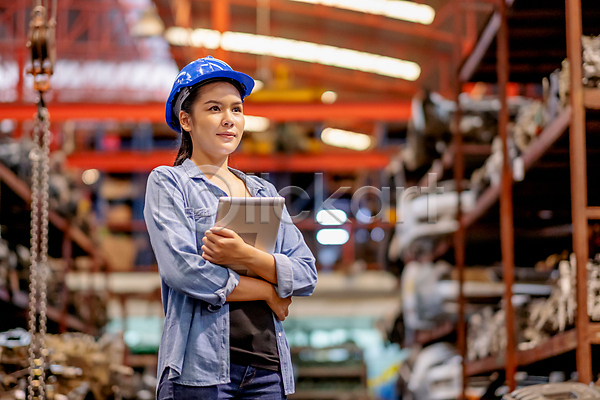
<point x="217" y="122"/>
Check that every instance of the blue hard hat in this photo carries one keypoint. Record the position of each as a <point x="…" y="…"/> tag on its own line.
<point x="195" y="72"/>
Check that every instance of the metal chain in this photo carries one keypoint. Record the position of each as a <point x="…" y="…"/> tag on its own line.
<point x="40" y="164"/>
<point x="41" y="41"/>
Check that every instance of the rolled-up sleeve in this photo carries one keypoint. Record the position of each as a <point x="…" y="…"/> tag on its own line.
<point x="295" y="263"/>
<point x="173" y="238"/>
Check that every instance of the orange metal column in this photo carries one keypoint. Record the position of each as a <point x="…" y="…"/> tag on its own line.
<point x="220" y="22"/>
<point x="506" y="198"/>
<point x="459" y="173"/>
<point x="579" y="187"/>
<point x="182" y="12"/>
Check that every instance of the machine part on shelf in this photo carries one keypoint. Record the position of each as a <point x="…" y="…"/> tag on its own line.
<point x="552" y="261"/>
<point x="593" y="303"/>
<point x="591" y="61"/>
<point x="533" y="336"/>
<point x="555" y="391"/>
<point x="564" y="83"/>
<point x="416" y="217"/>
<point x="555" y="314"/>
<point x="444" y="382"/>
<point x="18" y="337"/>
<point x="422" y="303"/>
<point x="567" y="303"/>
<point x="487" y="336"/>
<point x="593" y="268"/>
<point x="428" y="131"/>
<point x="474" y="335"/>
<point x="482" y="333"/>
<point x="5" y="256"/>
<point x="428" y="358"/>
<point x="78" y="367"/>
<point x="529" y="123"/>
<point x="552" y="96"/>
<point x="489" y="174"/>
<point x="497" y="332"/>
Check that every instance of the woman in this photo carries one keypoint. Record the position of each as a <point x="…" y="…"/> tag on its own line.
<point x="222" y="336"/>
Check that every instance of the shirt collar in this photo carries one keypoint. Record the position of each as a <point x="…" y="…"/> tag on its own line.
<point x="194" y="172"/>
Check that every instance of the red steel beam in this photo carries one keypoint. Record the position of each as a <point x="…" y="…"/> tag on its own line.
<point x="154" y="112"/>
<point x="131" y="161"/>
<point x="507" y="236"/>
<point x="579" y="185"/>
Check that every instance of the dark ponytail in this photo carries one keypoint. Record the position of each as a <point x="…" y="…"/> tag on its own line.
<point x="186" y="147"/>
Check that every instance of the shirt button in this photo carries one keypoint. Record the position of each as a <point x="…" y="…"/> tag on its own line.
<point x="279" y="334"/>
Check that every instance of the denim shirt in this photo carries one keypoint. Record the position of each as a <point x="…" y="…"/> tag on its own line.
<point x="180" y="206"/>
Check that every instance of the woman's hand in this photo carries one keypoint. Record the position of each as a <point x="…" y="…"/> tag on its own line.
<point x="279" y="306"/>
<point x="224" y="246"/>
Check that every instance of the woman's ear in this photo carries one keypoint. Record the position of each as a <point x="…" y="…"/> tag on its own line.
<point x="184" y="121"/>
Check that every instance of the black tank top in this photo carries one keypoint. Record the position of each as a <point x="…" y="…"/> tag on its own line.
<point x="252" y="335"/>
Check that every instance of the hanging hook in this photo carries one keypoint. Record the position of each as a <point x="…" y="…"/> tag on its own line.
<point x="41" y="41"/>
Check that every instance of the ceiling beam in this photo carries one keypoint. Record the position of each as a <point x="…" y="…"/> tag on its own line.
<point x="90" y="15"/>
<point x="393" y="47"/>
<point x="155" y="112"/>
<point x="370" y="20"/>
<point x="330" y="161"/>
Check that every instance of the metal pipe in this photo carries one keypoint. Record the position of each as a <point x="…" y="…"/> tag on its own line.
<point x="506" y="206"/>
<point x="578" y="186"/>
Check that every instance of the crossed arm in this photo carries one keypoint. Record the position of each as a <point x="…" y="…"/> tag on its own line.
<point x="223" y="246"/>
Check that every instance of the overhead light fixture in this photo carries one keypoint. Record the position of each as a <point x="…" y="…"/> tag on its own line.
<point x="258" y="86"/>
<point x="294" y="50"/>
<point x="90" y="176"/>
<point x="149" y="24"/>
<point x="347" y="139"/>
<point x="7" y="126"/>
<point x="329" y="97"/>
<point x="256" y="124"/>
<point x="335" y="236"/>
<point x="397" y="9"/>
<point x="331" y="217"/>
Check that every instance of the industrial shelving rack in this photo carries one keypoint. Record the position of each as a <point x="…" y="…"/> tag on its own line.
<point x="71" y="234"/>
<point x="572" y="117"/>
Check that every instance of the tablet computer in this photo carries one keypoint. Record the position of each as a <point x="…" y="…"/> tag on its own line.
<point x="255" y="219"/>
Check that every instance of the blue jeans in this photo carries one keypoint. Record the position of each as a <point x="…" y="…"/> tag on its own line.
<point x="246" y="383"/>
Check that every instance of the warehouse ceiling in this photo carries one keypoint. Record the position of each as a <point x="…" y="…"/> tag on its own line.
<point x="107" y="30"/>
<point x="325" y="25"/>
